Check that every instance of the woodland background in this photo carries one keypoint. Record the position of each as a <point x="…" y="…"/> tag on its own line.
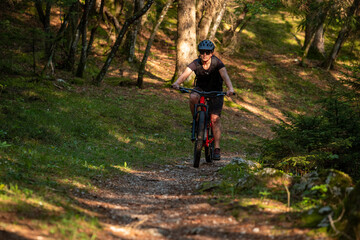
<point x="84" y="92"/>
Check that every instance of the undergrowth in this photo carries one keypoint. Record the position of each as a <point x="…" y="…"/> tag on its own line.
<point x="56" y="142"/>
<point x="327" y="139"/>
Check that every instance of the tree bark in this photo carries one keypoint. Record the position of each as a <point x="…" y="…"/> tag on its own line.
<point x="315" y="25"/>
<point x="45" y="20"/>
<point x="71" y="58"/>
<point x="306" y="50"/>
<point x="113" y="19"/>
<point x="83" y="57"/>
<point x="133" y="34"/>
<point x="342" y="36"/>
<point x="206" y="21"/>
<point x="217" y="20"/>
<point x="186" y="29"/>
<point x="53" y="44"/>
<point x="119" y="39"/>
<point x="318" y="22"/>
<point x="72" y="37"/>
<point x="150" y="42"/>
<point x="199" y="11"/>
<point x="93" y="30"/>
<point x="318" y="46"/>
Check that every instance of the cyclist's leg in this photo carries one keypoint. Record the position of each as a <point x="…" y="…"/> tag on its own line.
<point x="216" y="126"/>
<point x="215" y="108"/>
<point x="194" y="99"/>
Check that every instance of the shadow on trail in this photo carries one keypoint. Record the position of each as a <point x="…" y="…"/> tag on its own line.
<point x="11" y="236"/>
<point x="163" y="204"/>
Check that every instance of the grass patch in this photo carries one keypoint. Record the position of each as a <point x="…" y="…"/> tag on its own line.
<point x="59" y="142"/>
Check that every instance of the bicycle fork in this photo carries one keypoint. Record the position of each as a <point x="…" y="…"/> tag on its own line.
<point x="203" y="108"/>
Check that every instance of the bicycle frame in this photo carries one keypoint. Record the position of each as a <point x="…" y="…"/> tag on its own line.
<point x="202" y="127"/>
<point x="203" y="107"/>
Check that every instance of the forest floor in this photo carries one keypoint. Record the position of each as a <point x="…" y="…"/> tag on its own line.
<point x="163" y="202"/>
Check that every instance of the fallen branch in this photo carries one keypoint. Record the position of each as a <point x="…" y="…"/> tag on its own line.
<point x="113" y="19"/>
<point x="288" y="196"/>
<point x="332" y="224"/>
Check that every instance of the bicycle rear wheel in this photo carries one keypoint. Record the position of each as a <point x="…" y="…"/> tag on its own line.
<point x="199" y="139"/>
<point x="210" y="149"/>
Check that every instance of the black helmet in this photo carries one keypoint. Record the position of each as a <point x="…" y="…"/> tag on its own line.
<point x="206" y="45"/>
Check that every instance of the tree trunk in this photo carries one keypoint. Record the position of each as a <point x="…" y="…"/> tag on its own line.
<point x="199" y="11"/>
<point x="306" y="50"/>
<point x="343" y="35"/>
<point x="83" y="57"/>
<point x="149" y="44"/>
<point x="53" y="44"/>
<point x="217" y="20"/>
<point x="318" y="46"/>
<point x="119" y="39"/>
<point x="309" y="27"/>
<point x="113" y="19"/>
<point x="315" y="25"/>
<point x="45" y="20"/>
<point x="210" y="9"/>
<point x="133" y="34"/>
<point x="186" y="41"/>
<point x="72" y="53"/>
<point x="72" y="36"/>
<point x="93" y="30"/>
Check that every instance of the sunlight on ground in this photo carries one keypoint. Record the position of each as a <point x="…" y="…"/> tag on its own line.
<point x="119" y="137"/>
<point x="249" y="34"/>
<point x="71" y="182"/>
<point x="273" y="114"/>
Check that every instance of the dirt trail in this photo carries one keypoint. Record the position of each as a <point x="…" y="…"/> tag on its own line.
<point x="163" y="203"/>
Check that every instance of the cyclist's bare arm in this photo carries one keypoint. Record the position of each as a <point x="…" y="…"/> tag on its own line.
<point x="226" y="78"/>
<point x="182" y="78"/>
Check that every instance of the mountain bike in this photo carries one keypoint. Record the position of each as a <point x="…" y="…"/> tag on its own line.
<point x="201" y="133"/>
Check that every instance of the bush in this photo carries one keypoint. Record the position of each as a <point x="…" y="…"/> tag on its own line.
<point x="328" y="139"/>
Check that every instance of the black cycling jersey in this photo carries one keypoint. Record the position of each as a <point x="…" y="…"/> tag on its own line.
<point x="210" y="79"/>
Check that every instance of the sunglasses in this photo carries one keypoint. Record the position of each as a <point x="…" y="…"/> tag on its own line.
<point x="207" y="52"/>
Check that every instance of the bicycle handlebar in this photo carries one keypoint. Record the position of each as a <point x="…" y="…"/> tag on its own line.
<point x="203" y="93"/>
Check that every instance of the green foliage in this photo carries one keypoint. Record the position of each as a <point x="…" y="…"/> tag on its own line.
<point x="234" y="171"/>
<point x="257" y="7"/>
<point x="3" y="144"/>
<point x="353" y="78"/>
<point x="328" y="139"/>
<point x="56" y="140"/>
<point x="241" y="179"/>
<point x="312" y="218"/>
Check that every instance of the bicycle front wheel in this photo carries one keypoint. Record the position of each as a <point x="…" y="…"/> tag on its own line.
<point x="199" y="139"/>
